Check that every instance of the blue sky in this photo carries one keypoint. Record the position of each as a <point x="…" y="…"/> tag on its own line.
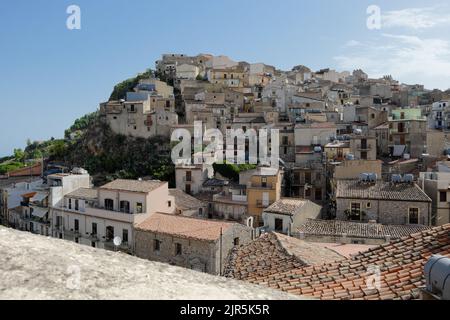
<point x="50" y="75"/>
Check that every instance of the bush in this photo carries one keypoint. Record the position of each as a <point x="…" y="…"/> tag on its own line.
<point x="231" y="171"/>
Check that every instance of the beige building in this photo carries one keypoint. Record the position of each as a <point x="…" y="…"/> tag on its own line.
<point x="363" y="147"/>
<point x="190" y="178"/>
<point x="263" y="189"/>
<point x="286" y="214"/>
<point x="437" y="186"/>
<point x="99" y="217"/>
<point x="201" y="245"/>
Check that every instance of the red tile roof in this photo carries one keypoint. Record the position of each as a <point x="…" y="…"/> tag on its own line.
<point x="400" y="263"/>
<point x="184" y="227"/>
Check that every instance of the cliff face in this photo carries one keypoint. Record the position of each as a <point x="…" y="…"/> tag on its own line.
<point x="109" y="156"/>
<point x="36" y="267"/>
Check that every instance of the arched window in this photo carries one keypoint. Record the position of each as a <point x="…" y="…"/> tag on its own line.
<point x="125" y="206"/>
<point x="109" y="204"/>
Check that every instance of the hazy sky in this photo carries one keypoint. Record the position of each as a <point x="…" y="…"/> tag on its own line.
<point x="50" y="75"/>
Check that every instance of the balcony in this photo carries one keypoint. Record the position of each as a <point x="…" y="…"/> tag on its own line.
<point x="366" y="147"/>
<point x="267" y="186"/>
<point x="187" y="179"/>
<point x="396" y="131"/>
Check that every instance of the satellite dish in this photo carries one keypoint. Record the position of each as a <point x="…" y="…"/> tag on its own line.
<point x="117" y="241"/>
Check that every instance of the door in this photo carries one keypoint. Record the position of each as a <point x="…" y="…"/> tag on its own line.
<point x="278" y="225"/>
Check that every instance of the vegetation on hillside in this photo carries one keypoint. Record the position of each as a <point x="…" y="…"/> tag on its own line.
<point x="121" y="89"/>
<point x="231" y="171"/>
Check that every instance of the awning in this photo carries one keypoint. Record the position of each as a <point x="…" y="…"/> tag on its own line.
<point x="39" y="196"/>
<point x="39" y="212"/>
<point x="399" y="150"/>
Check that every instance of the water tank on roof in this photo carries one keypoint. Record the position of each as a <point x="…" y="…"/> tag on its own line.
<point x="409" y="178"/>
<point x="364" y="177"/>
<point x="437" y="276"/>
<point x="373" y="177"/>
<point x="357" y="131"/>
<point x="406" y="156"/>
<point x="317" y="149"/>
<point x="396" y="178"/>
<point x="350" y="157"/>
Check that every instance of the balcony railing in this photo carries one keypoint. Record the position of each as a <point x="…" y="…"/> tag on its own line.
<point x="364" y="147"/>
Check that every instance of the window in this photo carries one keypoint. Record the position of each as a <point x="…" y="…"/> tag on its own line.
<point x="188" y="189"/>
<point x="125" y="206"/>
<point x="76" y="240"/>
<point x="200" y="212"/>
<point x="355" y="212"/>
<point x="318" y="194"/>
<point x="413" y="215"/>
<point x="125" y="235"/>
<point x="308" y="177"/>
<point x="70" y="204"/>
<point x="93" y="244"/>
<point x="109" y="204"/>
<point x="368" y="205"/>
<point x="264" y="182"/>
<point x="278" y="225"/>
<point x="156" y="245"/>
<point x="443" y="196"/>
<point x="139" y="207"/>
<point x="188" y="176"/>
<point x="178" y="249"/>
<point x="94" y="228"/>
<point x="76" y="225"/>
<point x="236" y="241"/>
<point x="169" y="204"/>
<point x="76" y="205"/>
<point x="109" y="233"/>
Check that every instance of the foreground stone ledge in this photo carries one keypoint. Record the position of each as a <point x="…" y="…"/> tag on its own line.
<point x="36" y="267"/>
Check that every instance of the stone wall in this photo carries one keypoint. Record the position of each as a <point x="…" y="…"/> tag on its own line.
<point x="385" y="212"/>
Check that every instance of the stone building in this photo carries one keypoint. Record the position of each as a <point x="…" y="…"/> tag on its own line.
<point x="383" y="202"/>
<point x="201" y="245"/>
<point x="287" y="214"/>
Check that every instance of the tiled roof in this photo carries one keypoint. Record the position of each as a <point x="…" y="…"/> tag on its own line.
<point x="286" y="206"/>
<point x="354" y="189"/>
<point x="401" y="264"/>
<point x="356" y="229"/>
<point x="84" y="193"/>
<point x="133" y="185"/>
<point x="274" y="253"/>
<point x="184" y="227"/>
<point x="184" y="201"/>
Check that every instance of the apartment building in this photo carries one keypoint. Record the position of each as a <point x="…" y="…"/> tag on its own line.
<point x="437" y="186"/>
<point x="407" y="132"/>
<point x="363" y="147"/>
<point x="263" y="189"/>
<point x="99" y="217"/>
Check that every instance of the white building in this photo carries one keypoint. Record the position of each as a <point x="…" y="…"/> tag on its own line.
<point x="96" y="217"/>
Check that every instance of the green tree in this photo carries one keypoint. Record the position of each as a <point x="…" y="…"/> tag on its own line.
<point x="19" y="155"/>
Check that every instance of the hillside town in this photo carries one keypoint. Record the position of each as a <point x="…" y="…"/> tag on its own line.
<point x="360" y="187"/>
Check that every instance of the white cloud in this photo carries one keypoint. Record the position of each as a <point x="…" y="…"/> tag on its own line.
<point x="408" y="58"/>
<point x="415" y="18"/>
<point x="352" y="43"/>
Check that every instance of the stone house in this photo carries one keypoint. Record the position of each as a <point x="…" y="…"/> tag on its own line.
<point x="363" y="147"/>
<point x="201" y="245"/>
<point x="286" y="214"/>
<point x="383" y="202"/>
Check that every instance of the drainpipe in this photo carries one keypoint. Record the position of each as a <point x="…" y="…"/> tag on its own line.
<point x="220" y="253"/>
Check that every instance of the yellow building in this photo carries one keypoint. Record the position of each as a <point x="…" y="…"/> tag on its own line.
<point x="263" y="189"/>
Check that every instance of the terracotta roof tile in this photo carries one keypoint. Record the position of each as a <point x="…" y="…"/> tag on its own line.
<point x="401" y="266"/>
